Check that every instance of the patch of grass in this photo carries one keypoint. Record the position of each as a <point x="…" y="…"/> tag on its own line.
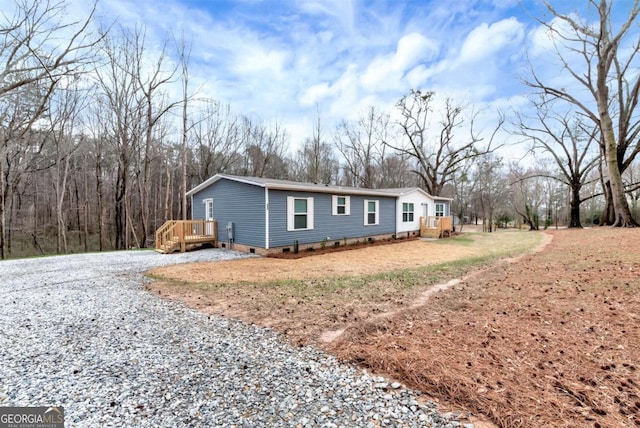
<point x="304" y="308"/>
<point x="495" y="246"/>
<point x="462" y="240"/>
<point x="510" y="239"/>
<point x="369" y="288"/>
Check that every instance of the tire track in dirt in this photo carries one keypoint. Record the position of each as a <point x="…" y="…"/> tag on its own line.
<point x="424" y="297"/>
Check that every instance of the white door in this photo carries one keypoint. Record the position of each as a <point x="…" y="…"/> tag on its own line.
<point x="208" y="215"/>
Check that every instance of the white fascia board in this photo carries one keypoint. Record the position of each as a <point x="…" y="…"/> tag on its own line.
<point x="209" y="181"/>
<point x="203" y="185"/>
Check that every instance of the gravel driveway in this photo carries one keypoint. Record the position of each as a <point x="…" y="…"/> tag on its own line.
<point x="80" y="331"/>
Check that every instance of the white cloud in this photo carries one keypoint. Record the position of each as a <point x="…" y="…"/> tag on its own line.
<point x="279" y="60"/>
<point x="413" y="48"/>
<point x="342" y="11"/>
<point x="255" y="59"/>
<point x="486" y="41"/>
<point x="545" y="40"/>
<point x="314" y="94"/>
<point x="540" y="42"/>
<point x="388" y="71"/>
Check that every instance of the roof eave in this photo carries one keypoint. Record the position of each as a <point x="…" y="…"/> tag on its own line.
<point x="328" y="189"/>
<point x="312" y="189"/>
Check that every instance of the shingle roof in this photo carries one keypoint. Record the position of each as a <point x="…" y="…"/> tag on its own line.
<point x="272" y="183"/>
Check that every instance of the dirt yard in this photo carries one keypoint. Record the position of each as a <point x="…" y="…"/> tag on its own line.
<point x="548" y="339"/>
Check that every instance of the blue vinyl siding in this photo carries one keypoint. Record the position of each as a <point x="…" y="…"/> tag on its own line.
<point x="335" y="227"/>
<point x="240" y="203"/>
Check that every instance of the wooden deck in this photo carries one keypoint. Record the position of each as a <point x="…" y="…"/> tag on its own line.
<point x="176" y="235"/>
<point x="436" y="227"/>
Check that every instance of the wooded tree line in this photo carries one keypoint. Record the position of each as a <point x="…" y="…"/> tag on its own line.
<point x="98" y="146"/>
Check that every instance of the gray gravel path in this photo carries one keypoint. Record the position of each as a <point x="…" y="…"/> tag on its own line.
<point x="80" y="331"/>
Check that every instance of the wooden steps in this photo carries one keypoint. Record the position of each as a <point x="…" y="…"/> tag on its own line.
<point x="176" y="235"/>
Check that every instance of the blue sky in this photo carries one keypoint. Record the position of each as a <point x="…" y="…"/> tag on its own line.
<point x="285" y="60"/>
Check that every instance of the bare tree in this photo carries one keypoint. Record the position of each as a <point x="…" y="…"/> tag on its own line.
<point x="439" y="153"/>
<point x="264" y="150"/>
<point x="526" y="193"/>
<point x="25" y="44"/>
<point x="315" y="163"/>
<point x="32" y="66"/>
<point x="151" y="81"/>
<point x="185" y="55"/>
<point x="571" y="146"/>
<point x="632" y="182"/>
<point x="96" y="122"/>
<point x="607" y="71"/>
<point x="489" y="190"/>
<point x="218" y="140"/>
<point x="395" y="171"/>
<point x="362" y="147"/>
<point x="464" y="185"/>
<point x="120" y="94"/>
<point x="63" y="119"/>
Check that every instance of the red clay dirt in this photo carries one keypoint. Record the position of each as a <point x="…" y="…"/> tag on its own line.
<point x="550" y="339"/>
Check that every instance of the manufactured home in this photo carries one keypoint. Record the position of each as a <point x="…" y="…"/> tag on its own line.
<point x="261" y="215"/>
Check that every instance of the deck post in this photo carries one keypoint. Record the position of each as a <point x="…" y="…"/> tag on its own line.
<point x="181" y="237"/>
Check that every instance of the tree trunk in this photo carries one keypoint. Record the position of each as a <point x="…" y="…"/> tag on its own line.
<point x="144" y="183"/>
<point x="531" y="218"/>
<point x="623" y="217"/>
<point x="78" y="208"/>
<point x="185" y="111"/>
<point x="121" y="189"/>
<point x="85" y="205"/>
<point x="574" y="215"/>
<point x="3" y="221"/>
<point x="608" y="216"/>
<point x="2" y="231"/>
<point x="168" y="213"/>
<point x="60" y="185"/>
<point x="99" y="196"/>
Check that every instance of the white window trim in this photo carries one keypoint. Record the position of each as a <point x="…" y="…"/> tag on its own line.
<point x="291" y="213"/>
<point x="206" y="203"/>
<point x="347" y="204"/>
<point x="412" y="211"/>
<point x="366" y="212"/>
<point x="444" y="209"/>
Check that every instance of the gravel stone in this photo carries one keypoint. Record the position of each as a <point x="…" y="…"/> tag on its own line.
<point x="80" y="331"/>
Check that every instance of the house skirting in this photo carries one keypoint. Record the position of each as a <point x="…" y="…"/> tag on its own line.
<point x="314" y="245"/>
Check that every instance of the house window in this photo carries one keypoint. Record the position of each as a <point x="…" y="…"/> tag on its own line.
<point x="341" y="205"/>
<point x="371" y="212"/>
<point x="407" y="211"/>
<point x="299" y="213"/>
<point x="440" y="210"/>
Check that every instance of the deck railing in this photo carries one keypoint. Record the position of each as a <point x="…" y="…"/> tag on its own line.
<point x="436" y="227"/>
<point x="174" y="234"/>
